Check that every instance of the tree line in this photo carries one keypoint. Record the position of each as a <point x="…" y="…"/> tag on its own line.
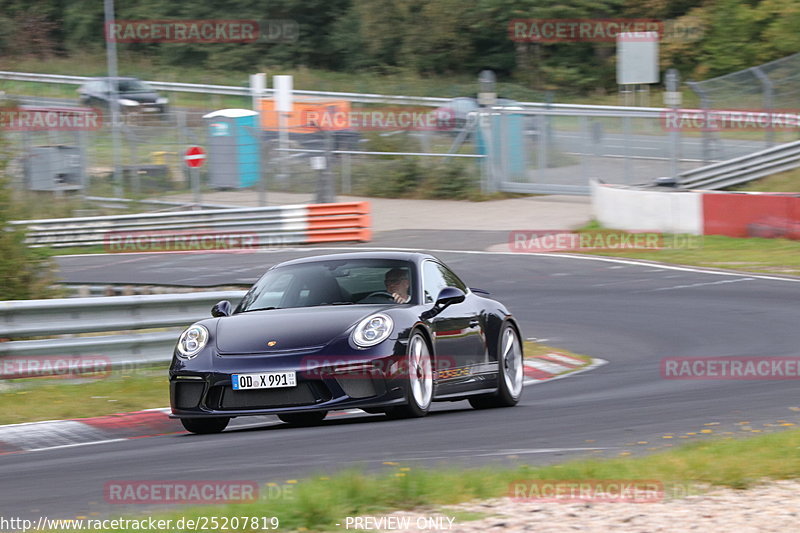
<point x="426" y="37"/>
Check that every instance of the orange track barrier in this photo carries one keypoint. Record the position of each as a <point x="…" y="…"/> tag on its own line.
<point x="340" y="222"/>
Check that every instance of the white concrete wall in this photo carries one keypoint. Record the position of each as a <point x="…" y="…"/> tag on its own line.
<point x="623" y="208"/>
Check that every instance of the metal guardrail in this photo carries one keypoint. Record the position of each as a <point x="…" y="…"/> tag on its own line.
<point x="743" y="169"/>
<point x="124" y="203"/>
<point x="369" y="98"/>
<point x="119" y="314"/>
<point x="242" y="227"/>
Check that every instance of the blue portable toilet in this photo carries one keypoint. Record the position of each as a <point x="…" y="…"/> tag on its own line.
<point x="508" y="140"/>
<point x="234" y="155"/>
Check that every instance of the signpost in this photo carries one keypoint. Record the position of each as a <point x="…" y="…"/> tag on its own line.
<point x="195" y="158"/>
<point x="672" y="98"/>
<point x="284" y="105"/>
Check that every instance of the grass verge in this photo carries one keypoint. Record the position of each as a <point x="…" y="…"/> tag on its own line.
<point x="36" y="399"/>
<point x="321" y="502"/>
<point x="788" y="181"/>
<point x="534" y="349"/>
<point x="752" y="254"/>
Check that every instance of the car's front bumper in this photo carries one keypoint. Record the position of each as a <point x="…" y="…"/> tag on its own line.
<point x="374" y="383"/>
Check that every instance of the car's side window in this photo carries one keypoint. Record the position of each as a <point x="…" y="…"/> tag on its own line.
<point x="433" y="281"/>
<point x="451" y="279"/>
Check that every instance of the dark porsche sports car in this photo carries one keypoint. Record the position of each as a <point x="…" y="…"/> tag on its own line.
<point x="383" y="332"/>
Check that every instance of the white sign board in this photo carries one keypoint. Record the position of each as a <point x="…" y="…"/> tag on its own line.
<point x="637" y="58"/>
<point x="258" y="84"/>
<point x="318" y="162"/>
<point x="283" y="93"/>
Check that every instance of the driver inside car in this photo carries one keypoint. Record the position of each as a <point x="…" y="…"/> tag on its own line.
<point x="398" y="285"/>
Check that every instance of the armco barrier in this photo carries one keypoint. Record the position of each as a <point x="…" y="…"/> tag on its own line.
<point x="743" y="169"/>
<point x="264" y="226"/>
<point x="137" y="329"/>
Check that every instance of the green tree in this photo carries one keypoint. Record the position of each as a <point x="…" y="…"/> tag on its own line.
<point x="780" y="35"/>
<point x="733" y="39"/>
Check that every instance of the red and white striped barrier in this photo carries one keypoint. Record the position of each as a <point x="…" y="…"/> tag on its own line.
<point x="207" y="228"/>
<point x="734" y="214"/>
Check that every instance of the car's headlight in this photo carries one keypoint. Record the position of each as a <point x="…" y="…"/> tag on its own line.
<point x="162" y="100"/>
<point x="192" y="341"/>
<point x="126" y="102"/>
<point x="372" y="330"/>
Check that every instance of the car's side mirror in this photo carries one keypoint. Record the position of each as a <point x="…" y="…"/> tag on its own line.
<point x="449" y="296"/>
<point x="222" y="308"/>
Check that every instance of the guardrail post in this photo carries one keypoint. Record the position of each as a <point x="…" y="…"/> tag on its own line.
<point x="626" y="135"/>
<point x="768" y="91"/>
<point x="705" y="104"/>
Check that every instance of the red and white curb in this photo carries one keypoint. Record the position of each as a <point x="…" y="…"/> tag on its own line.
<point x="53" y="434"/>
<point x="555" y="365"/>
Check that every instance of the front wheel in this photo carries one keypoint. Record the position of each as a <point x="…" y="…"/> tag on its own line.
<point x="419" y="380"/>
<point x="509" y="374"/>
<point x="303" y="419"/>
<point x="205" y="426"/>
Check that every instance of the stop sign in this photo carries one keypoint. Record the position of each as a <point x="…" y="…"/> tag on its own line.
<point x="195" y="157"/>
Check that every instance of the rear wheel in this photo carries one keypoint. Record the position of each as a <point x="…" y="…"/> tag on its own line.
<point x="304" y="419"/>
<point x="510" y="373"/>
<point x="419" y="375"/>
<point x="205" y="426"/>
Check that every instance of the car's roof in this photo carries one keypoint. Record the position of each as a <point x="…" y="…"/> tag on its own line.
<point x="414" y="257"/>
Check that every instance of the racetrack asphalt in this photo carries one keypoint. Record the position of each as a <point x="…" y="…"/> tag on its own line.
<point x="631" y="314"/>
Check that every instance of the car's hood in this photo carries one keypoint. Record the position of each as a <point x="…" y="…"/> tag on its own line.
<point x="289" y="329"/>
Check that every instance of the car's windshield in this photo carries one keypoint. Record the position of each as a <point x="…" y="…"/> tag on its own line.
<point x="134" y="86"/>
<point x="334" y="282"/>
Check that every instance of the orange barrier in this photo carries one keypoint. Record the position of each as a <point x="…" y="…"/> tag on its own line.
<point x="346" y="221"/>
<point x="304" y="112"/>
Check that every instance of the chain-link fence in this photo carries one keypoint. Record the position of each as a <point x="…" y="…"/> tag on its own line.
<point x="242" y="156"/>
<point x="150" y="157"/>
<point x="772" y="86"/>
<point x="548" y="150"/>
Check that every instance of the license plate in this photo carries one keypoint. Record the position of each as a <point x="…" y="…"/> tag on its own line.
<point x="265" y="380"/>
<point x="151" y="109"/>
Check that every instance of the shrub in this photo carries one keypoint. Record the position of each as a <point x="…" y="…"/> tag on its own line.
<point x="25" y="273"/>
